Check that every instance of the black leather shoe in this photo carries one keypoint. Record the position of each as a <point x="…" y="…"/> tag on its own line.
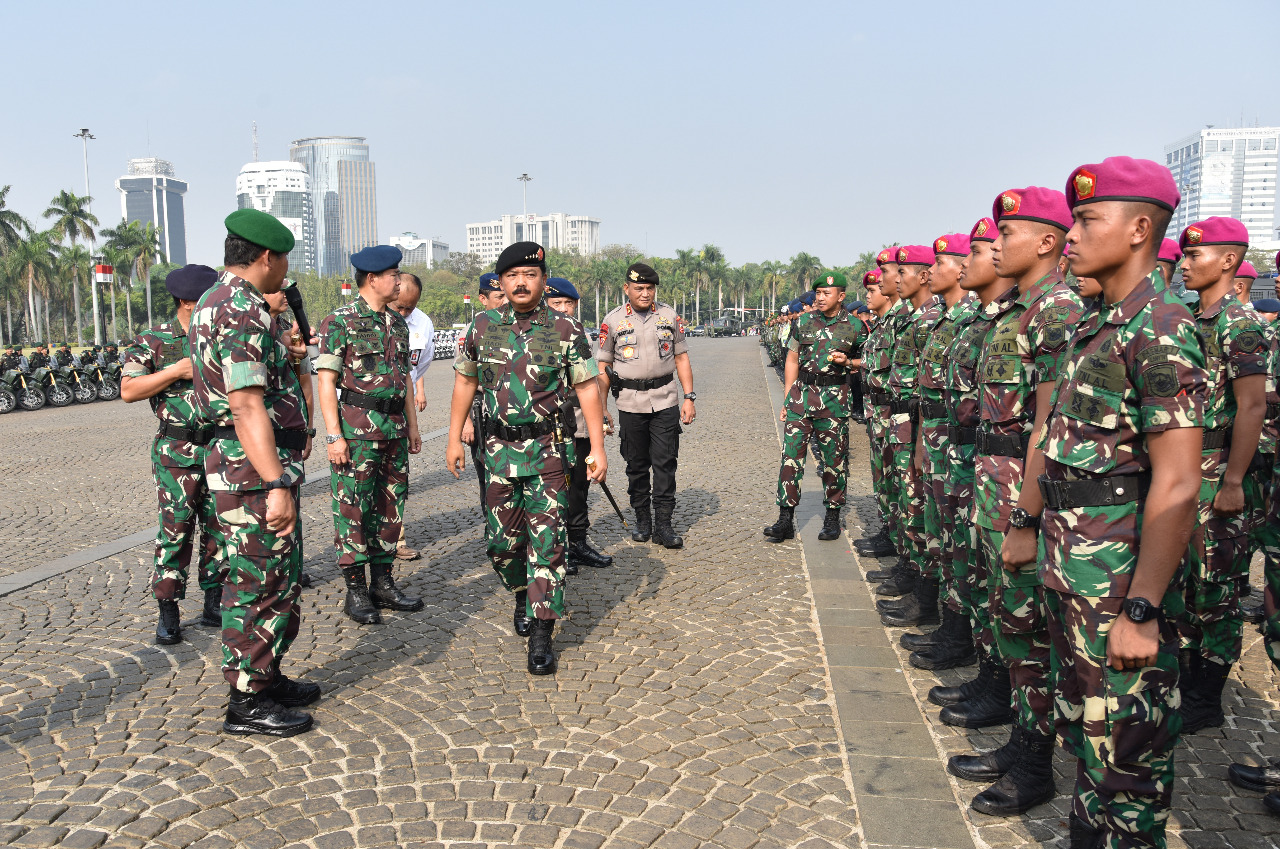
<point x="987" y="766"/>
<point x="783" y="529"/>
<point x="358" y="605"/>
<point x="570" y="567"/>
<point x="1271" y="802"/>
<point x="1262" y="779"/>
<point x="1029" y="782"/>
<point x="169" y="628"/>
<point x="542" y="656"/>
<point x="830" y="525"/>
<point x="582" y="552"/>
<point x="954" y="647"/>
<point x="258" y="713"/>
<point x="883" y="548"/>
<point x="1253" y="613"/>
<point x="289" y="692"/>
<point x="523" y="623"/>
<point x="644" y="525"/>
<point x="304" y="580"/>
<point x="663" y="534"/>
<point x="875" y="576"/>
<point x="384" y="592"/>
<point x="211" y="615"/>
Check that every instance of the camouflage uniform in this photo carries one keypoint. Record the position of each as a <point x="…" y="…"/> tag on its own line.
<point x="525" y="363"/>
<point x="232" y="348"/>
<point x="877" y="362"/>
<point x="177" y="462"/>
<point x="1269" y="532"/>
<point x="817" y="405"/>
<point x="1135" y="367"/>
<point x="1024" y="350"/>
<point x="1235" y="346"/>
<point x="911" y="332"/>
<point x="369" y="352"/>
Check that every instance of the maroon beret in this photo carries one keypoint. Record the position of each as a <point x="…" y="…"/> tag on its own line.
<point x="1217" y="230"/>
<point x="1169" y="251"/>
<point x="886" y="255"/>
<point x="984" y="231"/>
<point x="1246" y="269"/>
<point x="871" y="278"/>
<point x="1123" y="178"/>
<point x="1277" y="260"/>
<point x="1034" y="203"/>
<point x="915" y="255"/>
<point x="954" y="244"/>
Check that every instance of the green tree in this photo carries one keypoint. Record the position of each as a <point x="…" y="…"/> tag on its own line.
<point x="804" y="267"/>
<point x="73" y="221"/>
<point x="13" y="227"/>
<point x="124" y="243"/>
<point x="121" y="261"/>
<point x="31" y="260"/>
<point x="73" y="265"/>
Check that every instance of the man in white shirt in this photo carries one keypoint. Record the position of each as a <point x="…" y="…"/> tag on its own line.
<point x="422" y="349"/>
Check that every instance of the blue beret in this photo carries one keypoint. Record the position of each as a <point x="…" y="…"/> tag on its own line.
<point x="190" y="282"/>
<point x="558" y="287"/>
<point x="489" y="283"/>
<point x="1267" y="305"/>
<point x="795" y="306"/>
<point x="807" y="298"/>
<point x="377" y="258"/>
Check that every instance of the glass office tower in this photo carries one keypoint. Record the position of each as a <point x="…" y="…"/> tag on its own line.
<point x="344" y="200"/>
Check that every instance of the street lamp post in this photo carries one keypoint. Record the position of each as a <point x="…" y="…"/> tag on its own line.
<point x="84" y="135"/>
<point x="524" y="193"/>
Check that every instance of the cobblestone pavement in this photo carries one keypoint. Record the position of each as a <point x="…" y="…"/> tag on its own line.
<point x="692" y="706"/>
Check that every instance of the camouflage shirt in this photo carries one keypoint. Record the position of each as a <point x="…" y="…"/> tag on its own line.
<point x="1235" y="345"/>
<point x="878" y="350"/>
<point x="1024" y="350"/>
<point x="155" y="350"/>
<point x="525" y="363"/>
<point x="911" y="332"/>
<point x="370" y="353"/>
<point x="1271" y="421"/>
<point x="1135" y="367"/>
<point x="938" y="350"/>
<point x="972" y="331"/>
<point x="232" y="348"/>
<point x="815" y="339"/>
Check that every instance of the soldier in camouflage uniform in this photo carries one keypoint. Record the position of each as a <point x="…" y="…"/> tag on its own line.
<point x="489" y="297"/>
<point x="247" y="388"/>
<point x="819" y="357"/>
<point x="523" y="357"/>
<point x="372" y="430"/>
<point x="1167" y="262"/>
<point x="952" y="644"/>
<point x="158" y="368"/>
<point x="1121" y="457"/>
<point x="1235" y="401"/>
<point x="877" y="361"/>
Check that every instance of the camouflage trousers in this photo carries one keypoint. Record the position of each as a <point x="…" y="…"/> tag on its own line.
<point x="1122" y="726"/>
<point x="959" y="536"/>
<point x="981" y="576"/>
<point x="933" y="510"/>
<point x="185" y="501"/>
<point x="911" y="500"/>
<point x="1270" y="538"/>
<point x="368" y="501"/>
<point x="260" y="597"/>
<point x="1018" y="619"/>
<point x="891" y="478"/>
<point x="881" y="482"/>
<point x="525" y="537"/>
<point x="1257" y="497"/>
<point x="831" y="443"/>
<point x="1217" y="565"/>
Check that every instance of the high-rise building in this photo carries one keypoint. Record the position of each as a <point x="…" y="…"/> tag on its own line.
<point x="428" y="252"/>
<point x="150" y="194"/>
<point x="1230" y="172"/>
<point x="343" y="198"/>
<point x="283" y="189"/>
<point x="557" y="230"/>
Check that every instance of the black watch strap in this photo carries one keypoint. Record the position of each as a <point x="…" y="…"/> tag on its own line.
<point x="1140" y="610"/>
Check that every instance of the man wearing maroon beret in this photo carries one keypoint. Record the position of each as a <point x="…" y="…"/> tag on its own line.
<point x="1121" y="450"/>
<point x="1168" y="259"/>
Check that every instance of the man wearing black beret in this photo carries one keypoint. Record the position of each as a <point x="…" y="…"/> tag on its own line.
<point x="157" y="367"/>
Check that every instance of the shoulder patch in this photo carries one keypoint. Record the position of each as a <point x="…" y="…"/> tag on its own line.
<point x="1250" y="341"/>
<point x="1161" y="379"/>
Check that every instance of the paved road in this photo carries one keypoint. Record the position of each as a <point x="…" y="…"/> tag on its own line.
<point x="695" y="705"/>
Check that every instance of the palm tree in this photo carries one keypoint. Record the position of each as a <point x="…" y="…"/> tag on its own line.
<point x="72" y="220"/>
<point x="711" y="267"/>
<point x="122" y="261"/>
<point x="805" y="267"/>
<point x="13" y="227"/>
<point x="32" y="260"/>
<point x="74" y="263"/>
<point x="150" y="254"/>
<point x="773" y="275"/>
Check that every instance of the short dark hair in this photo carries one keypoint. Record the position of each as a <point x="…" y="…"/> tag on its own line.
<point x="1160" y="218"/>
<point x="361" y="276"/>
<point x="238" y="251"/>
<point x="416" y="280"/>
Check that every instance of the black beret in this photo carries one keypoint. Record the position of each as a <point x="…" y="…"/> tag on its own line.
<point x="638" y="272"/>
<point x="522" y="255"/>
<point x="190" y="282"/>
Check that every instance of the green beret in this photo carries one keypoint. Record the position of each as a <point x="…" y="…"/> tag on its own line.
<point x="262" y="229"/>
<point x="830" y="278"/>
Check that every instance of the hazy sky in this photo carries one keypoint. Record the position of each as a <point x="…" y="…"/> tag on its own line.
<point x="765" y="128"/>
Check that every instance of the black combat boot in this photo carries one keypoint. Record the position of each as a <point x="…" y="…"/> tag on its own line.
<point x="783" y="529"/>
<point x="944" y="696"/>
<point x="522" y="621"/>
<point x="987" y="766"/>
<point x="258" y="713"/>
<point x="359" y="606"/>
<point x="570" y="566"/>
<point x="921" y="607"/>
<point x="1085" y="836"/>
<point x="304" y="580"/>
<point x="991" y="705"/>
<point x="385" y="593"/>
<point x="877" y="575"/>
<point x="212" y="613"/>
<point x="897" y="605"/>
<point x="290" y="692"/>
<point x="169" y="628"/>
<point x="542" y="656"/>
<point x="1206" y="707"/>
<point x="1029" y="782"/>
<point x="918" y="642"/>
<point x="901" y="582"/>
<point x="663" y="533"/>
<point x="1189" y="664"/>
<point x="877" y="545"/>
<point x="954" y="649"/>
<point x="582" y="552"/>
<point x="644" y="525"/>
<point x="830" y="525"/>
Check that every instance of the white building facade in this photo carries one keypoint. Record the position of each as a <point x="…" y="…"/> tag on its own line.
<point x="428" y="252"/>
<point x="1230" y="172"/>
<point x="151" y="194"/>
<point x="283" y="189"/>
<point x="558" y="231"/>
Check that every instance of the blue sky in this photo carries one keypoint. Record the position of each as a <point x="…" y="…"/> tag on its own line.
<point x="765" y="128"/>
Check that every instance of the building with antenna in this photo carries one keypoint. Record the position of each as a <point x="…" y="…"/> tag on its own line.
<point x="343" y="197"/>
<point x="283" y="189"/>
<point x="150" y="194"/>
<point x="1231" y="172"/>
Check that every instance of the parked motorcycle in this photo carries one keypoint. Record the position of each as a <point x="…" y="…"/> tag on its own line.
<point x="55" y="387"/>
<point x="25" y="390"/>
<point x="84" y="389"/>
<point x="108" y="384"/>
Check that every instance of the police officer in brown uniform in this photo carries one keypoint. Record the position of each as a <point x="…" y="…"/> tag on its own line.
<point x="643" y="341"/>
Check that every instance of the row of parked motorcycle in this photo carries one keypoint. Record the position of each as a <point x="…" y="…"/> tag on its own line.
<point x="59" y="385"/>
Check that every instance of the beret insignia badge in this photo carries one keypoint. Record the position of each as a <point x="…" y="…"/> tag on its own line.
<point x="886" y="255"/>
<point x="635" y="275"/>
<point x="830" y="280"/>
<point x="1194" y="235"/>
<point x="1009" y="202"/>
<point x="902" y="254"/>
<point x="982" y="228"/>
<point x="1086" y="184"/>
<point x="940" y="246"/>
<point x="539" y="254"/>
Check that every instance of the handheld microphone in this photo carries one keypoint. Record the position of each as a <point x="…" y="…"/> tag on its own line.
<point x="294" y="298"/>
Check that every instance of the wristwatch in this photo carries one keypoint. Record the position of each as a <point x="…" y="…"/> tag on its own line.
<point x="1020" y="518"/>
<point x="331" y="438"/>
<point x="311" y="432"/>
<point x="691" y="396"/>
<point x="1140" y="610"/>
<point x="281" y="482"/>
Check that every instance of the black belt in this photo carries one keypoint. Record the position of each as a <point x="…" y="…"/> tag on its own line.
<point x="390" y="406"/>
<point x="897" y="408"/>
<point x="642" y="385"/>
<point x="519" y="433"/>
<point x="1093" y="492"/>
<point x="1215" y="439"/>
<point x="197" y="436"/>
<point x="1002" y="446"/>
<point x="962" y="435"/>
<point x="1262" y="462"/>
<point x="811" y="379"/>
<point x="1273" y="409"/>
<point x="933" y="411"/>
<point x="880" y="398"/>
<point x="290" y="440"/>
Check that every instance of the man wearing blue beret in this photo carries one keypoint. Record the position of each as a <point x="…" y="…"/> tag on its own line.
<point x="372" y="430"/>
